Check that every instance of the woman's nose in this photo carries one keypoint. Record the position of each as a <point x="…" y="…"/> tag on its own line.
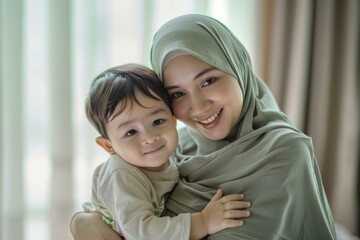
<point x="198" y="104"/>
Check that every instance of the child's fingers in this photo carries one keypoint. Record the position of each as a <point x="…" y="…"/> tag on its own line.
<point x="217" y="196"/>
<point x="236" y="214"/>
<point x="230" y="223"/>
<point x="236" y="205"/>
<point x="232" y="197"/>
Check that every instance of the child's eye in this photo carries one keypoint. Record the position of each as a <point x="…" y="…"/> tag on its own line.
<point x="158" y="122"/>
<point x="131" y="133"/>
<point x="209" y="81"/>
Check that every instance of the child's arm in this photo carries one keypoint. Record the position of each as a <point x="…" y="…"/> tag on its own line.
<point x="220" y="213"/>
<point x="134" y="211"/>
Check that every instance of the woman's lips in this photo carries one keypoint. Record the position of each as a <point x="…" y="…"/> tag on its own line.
<point x="211" y="121"/>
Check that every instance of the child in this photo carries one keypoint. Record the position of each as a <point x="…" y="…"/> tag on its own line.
<point x="130" y="108"/>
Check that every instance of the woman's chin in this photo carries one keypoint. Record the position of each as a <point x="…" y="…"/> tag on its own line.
<point x="213" y="133"/>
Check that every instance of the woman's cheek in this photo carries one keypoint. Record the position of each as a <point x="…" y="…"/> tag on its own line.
<point x="179" y="110"/>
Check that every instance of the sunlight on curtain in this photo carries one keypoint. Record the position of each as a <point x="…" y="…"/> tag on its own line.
<point x="12" y="129"/>
<point x="37" y="161"/>
<point x="101" y="35"/>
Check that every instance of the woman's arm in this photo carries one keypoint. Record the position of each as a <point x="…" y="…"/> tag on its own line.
<point x="91" y="226"/>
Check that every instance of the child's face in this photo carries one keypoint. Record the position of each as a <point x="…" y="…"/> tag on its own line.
<point x="144" y="136"/>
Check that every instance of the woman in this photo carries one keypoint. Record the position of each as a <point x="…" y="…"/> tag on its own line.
<point x="236" y="138"/>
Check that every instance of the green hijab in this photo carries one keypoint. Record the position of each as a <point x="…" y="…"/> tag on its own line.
<point x="265" y="156"/>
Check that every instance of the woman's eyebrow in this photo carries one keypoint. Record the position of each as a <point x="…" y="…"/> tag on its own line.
<point x="206" y="70"/>
<point x="203" y="72"/>
<point x="170" y="87"/>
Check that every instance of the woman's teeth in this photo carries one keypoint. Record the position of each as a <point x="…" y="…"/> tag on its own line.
<point x="210" y="119"/>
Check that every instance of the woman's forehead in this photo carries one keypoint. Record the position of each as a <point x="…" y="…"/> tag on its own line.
<point x="187" y="66"/>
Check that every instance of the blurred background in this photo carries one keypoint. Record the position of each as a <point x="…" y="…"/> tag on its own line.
<point x="306" y="50"/>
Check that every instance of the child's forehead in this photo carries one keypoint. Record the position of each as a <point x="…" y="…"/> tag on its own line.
<point x="140" y="102"/>
<point x="144" y="100"/>
<point x="141" y="112"/>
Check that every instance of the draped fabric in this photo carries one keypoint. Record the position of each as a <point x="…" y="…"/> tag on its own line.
<point x="265" y="157"/>
<point x="308" y="55"/>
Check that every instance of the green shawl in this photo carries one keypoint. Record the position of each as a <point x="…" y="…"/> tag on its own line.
<point x="265" y="156"/>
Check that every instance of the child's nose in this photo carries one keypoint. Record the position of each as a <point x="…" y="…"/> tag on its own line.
<point x="150" y="137"/>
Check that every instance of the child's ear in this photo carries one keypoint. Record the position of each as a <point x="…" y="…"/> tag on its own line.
<point x="105" y="144"/>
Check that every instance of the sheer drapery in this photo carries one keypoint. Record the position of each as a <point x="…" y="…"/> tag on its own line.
<point x="61" y="143"/>
<point x="310" y="61"/>
<point x="12" y="130"/>
<point x="50" y="51"/>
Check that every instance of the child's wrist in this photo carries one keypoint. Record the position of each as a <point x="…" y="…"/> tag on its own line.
<point x="204" y="224"/>
<point x="198" y="221"/>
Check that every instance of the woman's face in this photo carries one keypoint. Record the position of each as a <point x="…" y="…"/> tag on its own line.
<point x="202" y="96"/>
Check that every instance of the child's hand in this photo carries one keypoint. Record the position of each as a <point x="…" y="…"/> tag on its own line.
<point x="225" y="212"/>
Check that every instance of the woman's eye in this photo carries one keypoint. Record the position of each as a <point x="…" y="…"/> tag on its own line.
<point x="158" y="122"/>
<point x="209" y="81"/>
<point x="176" y="95"/>
<point x="131" y="133"/>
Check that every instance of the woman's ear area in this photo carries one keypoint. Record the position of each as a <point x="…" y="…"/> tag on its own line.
<point x="105" y="144"/>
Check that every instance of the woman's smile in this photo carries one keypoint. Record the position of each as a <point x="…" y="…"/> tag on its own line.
<point x="203" y="97"/>
<point x="211" y="121"/>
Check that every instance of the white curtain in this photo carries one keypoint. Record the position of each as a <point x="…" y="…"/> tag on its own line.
<point x="50" y="52"/>
<point x="12" y="115"/>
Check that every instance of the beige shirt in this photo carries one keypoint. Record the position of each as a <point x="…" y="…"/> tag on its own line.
<point x="135" y="199"/>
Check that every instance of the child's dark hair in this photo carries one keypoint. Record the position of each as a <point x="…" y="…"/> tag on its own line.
<point x="119" y="84"/>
